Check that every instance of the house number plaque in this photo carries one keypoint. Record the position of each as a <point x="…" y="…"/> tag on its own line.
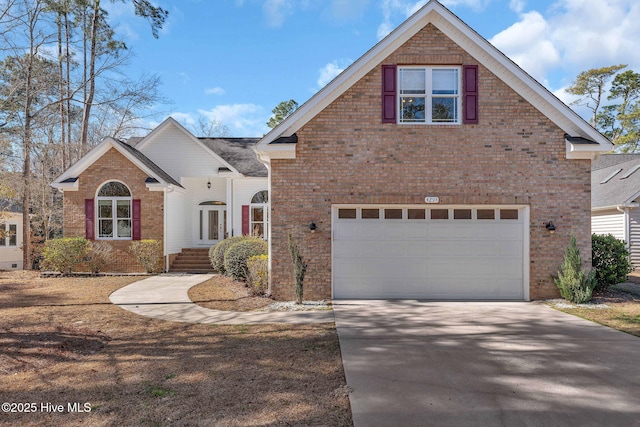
<point x="432" y="199"/>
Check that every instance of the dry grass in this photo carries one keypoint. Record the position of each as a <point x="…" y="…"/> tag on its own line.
<point x="61" y="342"/>
<point x="224" y="293"/>
<point x="622" y="311"/>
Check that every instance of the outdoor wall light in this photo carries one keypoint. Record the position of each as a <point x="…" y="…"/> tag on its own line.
<point x="313" y="227"/>
<point x="209" y="183"/>
<point x="551" y="227"/>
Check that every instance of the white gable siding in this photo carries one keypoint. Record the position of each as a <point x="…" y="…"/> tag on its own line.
<point x="180" y="156"/>
<point x="243" y="191"/>
<point x="608" y="222"/>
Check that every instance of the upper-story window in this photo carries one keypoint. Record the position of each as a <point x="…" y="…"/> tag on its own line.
<point x="114" y="211"/>
<point x="429" y="95"/>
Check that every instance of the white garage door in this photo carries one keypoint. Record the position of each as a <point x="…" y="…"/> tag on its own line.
<point x="462" y="252"/>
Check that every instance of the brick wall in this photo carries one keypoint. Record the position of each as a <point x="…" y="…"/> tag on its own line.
<point x="114" y="166"/>
<point x="515" y="155"/>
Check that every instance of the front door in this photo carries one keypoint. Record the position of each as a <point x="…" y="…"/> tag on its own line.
<point x="213" y="224"/>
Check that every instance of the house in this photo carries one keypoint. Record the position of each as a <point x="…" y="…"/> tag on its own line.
<point x="433" y="167"/>
<point x="11" y="237"/>
<point x="615" y="199"/>
<point x="184" y="191"/>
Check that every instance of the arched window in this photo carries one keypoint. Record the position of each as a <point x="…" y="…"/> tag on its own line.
<point x="114" y="211"/>
<point x="259" y="218"/>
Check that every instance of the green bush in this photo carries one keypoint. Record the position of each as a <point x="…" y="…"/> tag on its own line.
<point x="258" y="274"/>
<point x="216" y="252"/>
<point x="148" y="253"/>
<point x="573" y="282"/>
<point x="99" y="255"/>
<point x="236" y="256"/>
<point x="610" y="260"/>
<point x="64" y="254"/>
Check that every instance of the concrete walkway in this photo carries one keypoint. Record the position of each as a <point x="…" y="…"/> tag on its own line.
<point x="417" y="363"/>
<point x="166" y="297"/>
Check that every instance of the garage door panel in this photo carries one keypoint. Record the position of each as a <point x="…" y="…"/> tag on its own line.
<point x="428" y="259"/>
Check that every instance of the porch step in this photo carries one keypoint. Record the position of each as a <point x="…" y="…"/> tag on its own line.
<point x="192" y="260"/>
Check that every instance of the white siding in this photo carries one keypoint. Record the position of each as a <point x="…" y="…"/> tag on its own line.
<point x="12" y="255"/>
<point x="178" y="222"/>
<point x="243" y="191"/>
<point x="634" y="236"/>
<point x="180" y="156"/>
<point x="608" y="222"/>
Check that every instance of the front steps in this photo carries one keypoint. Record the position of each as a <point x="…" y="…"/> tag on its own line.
<point x="192" y="260"/>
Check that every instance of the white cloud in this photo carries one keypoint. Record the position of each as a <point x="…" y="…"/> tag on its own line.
<point x="517" y="5"/>
<point x="241" y="119"/>
<point x="276" y="11"/>
<point x="214" y="91"/>
<point x="346" y="10"/>
<point x="527" y="43"/>
<point x="330" y="71"/>
<point x="476" y="5"/>
<point x="573" y="36"/>
<point x="185" y="119"/>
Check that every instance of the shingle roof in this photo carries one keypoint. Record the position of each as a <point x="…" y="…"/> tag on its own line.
<point x="623" y="182"/>
<point x="238" y="152"/>
<point x="148" y="163"/>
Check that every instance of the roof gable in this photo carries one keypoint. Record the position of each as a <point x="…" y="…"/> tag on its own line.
<point x="195" y="158"/>
<point x="469" y="40"/>
<point x="69" y="179"/>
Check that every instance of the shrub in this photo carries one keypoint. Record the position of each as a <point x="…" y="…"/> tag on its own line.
<point x="216" y="253"/>
<point x="236" y="256"/>
<point x="100" y="255"/>
<point x="148" y="253"/>
<point x="258" y="274"/>
<point x="64" y="254"/>
<point x="610" y="260"/>
<point x="574" y="284"/>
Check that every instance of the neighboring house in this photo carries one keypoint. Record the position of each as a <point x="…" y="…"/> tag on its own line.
<point x="433" y="167"/>
<point x="615" y="199"/>
<point x="184" y="191"/>
<point x="11" y="238"/>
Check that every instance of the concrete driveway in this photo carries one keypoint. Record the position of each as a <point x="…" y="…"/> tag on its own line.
<point x="415" y="363"/>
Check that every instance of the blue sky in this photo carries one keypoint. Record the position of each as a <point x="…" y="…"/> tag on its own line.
<point x="235" y="60"/>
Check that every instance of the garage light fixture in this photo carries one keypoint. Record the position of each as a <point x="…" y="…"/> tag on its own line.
<point x="551" y="227"/>
<point x="313" y="227"/>
<point x="209" y="183"/>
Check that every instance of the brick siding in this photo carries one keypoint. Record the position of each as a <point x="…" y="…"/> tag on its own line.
<point x="114" y="166"/>
<point x="515" y="155"/>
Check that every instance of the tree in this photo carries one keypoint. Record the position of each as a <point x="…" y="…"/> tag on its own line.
<point x="281" y="112"/>
<point x="621" y="122"/>
<point x="590" y="86"/>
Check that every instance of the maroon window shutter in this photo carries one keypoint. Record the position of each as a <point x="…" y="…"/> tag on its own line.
<point x="89" y="221"/>
<point x="245" y="220"/>
<point x="389" y="105"/>
<point x="470" y="94"/>
<point x="136" y="220"/>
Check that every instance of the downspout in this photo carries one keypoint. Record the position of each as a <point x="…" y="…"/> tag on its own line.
<point x="625" y="210"/>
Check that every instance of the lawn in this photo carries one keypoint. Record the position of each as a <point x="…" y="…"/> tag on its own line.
<point x="617" y="308"/>
<point x="62" y="342"/>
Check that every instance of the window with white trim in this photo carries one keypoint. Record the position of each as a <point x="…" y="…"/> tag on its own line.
<point x="429" y="95"/>
<point x="8" y="235"/>
<point x="259" y="214"/>
<point x="114" y="211"/>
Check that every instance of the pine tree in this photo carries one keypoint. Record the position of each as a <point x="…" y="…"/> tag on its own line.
<point x="573" y="282"/>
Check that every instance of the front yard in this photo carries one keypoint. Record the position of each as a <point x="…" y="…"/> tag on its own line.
<point x="63" y="343"/>
<point x="617" y="308"/>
